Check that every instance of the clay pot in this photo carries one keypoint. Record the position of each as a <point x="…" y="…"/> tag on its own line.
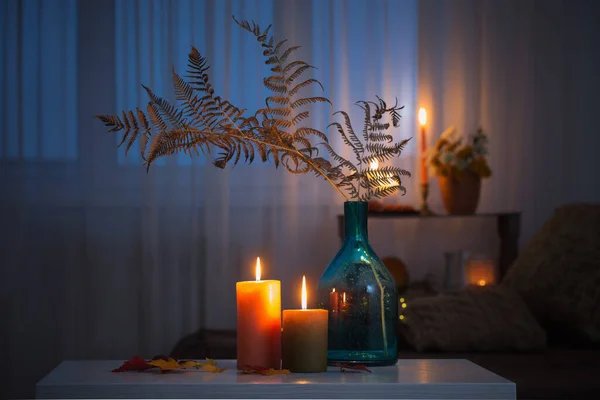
<point x="460" y="196"/>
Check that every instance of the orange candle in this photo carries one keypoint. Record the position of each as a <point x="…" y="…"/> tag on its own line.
<point x="305" y="338"/>
<point x="259" y="322"/>
<point x="423" y="121"/>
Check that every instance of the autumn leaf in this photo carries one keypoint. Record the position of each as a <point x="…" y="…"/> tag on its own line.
<point x="189" y="364"/>
<point x="257" y="370"/>
<point x="170" y="364"/>
<point x="210" y="365"/>
<point x="353" y="368"/>
<point x="137" y="363"/>
<point x="167" y="364"/>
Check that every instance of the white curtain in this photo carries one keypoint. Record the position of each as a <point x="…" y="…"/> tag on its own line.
<point x="103" y="260"/>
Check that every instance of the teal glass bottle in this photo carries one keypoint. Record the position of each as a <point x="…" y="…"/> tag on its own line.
<point x="360" y="295"/>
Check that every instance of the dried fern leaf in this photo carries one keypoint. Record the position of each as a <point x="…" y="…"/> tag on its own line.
<point x="168" y="111"/>
<point x="305" y="131"/>
<point x="287" y="53"/>
<point x="299" y="117"/>
<point x="380" y="137"/>
<point x="111" y="121"/>
<point x="277" y="88"/>
<point x="278" y="100"/>
<point x="309" y="100"/>
<point x="294" y="64"/>
<point x="282" y="111"/>
<point x="304" y="84"/>
<point x="290" y="79"/>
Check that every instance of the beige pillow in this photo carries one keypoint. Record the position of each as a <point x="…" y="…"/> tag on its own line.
<point x="558" y="272"/>
<point x="476" y="319"/>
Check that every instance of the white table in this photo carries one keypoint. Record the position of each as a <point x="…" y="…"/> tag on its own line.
<point x="409" y="379"/>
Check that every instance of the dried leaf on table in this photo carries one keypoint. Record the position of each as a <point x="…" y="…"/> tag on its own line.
<point x="167" y="364"/>
<point x="255" y="369"/>
<point x="189" y="364"/>
<point x="170" y="364"/>
<point x="352" y="368"/>
<point x="137" y="363"/>
<point x="210" y="365"/>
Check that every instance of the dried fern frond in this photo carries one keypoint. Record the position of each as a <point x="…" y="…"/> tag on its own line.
<point x="202" y="121"/>
<point x="377" y="147"/>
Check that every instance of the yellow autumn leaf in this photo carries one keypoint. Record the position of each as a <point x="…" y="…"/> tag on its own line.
<point x="211" y="366"/>
<point x="165" y="365"/>
<point x="189" y="364"/>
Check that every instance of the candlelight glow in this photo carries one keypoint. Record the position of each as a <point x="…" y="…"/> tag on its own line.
<point x="344" y="297"/>
<point x="258" y="268"/>
<point x="422" y="116"/>
<point x="374" y="164"/>
<point x="480" y="272"/>
<point x="303" y="292"/>
<point x="333" y="290"/>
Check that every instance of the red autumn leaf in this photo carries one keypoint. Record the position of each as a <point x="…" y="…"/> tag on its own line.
<point x="353" y="367"/>
<point x="137" y="363"/>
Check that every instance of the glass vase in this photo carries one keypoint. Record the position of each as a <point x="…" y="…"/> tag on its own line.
<point x="360" y="295"/>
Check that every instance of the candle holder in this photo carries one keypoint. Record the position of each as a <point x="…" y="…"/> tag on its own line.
<point x="424" y="195"/>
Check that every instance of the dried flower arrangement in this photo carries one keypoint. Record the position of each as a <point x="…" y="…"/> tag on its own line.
<point x="451" y="158"/>
<point x="202" y="121"/>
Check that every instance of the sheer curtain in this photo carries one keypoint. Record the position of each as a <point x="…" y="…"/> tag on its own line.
<point x="101" y="259"/>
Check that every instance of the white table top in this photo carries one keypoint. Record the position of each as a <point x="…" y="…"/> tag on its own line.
<point x="409" y="379"/>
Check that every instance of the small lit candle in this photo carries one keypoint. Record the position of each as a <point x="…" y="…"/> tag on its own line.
<point x="481" y="272"/>
<point x="387" y="183"/>
<point x="374" y="165"/>
<point x="423" y="121"/>
<point x="305" y="338"/>
<point x="259" y="322"/>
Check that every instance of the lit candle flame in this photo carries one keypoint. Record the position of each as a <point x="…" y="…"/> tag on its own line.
<point x="258" y="268"/>
<point x="482" y="282"/>
<point x="303" y="292"/>
<point x="374" y="165"/>
<point x="422" y="116"/>
<point x="333" y="290"/>
<point x="344" y="297"/>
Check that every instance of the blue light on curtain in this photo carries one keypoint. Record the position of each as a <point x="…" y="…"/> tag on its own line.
<point x="38" y="84"/>
<point x="361" y="49"/>
<point x="152" y="36"/>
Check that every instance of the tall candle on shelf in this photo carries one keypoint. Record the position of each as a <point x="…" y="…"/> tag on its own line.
<point x="259" y="322"/>
<point x="305" y="338"/>
<point x="423" y="121"/>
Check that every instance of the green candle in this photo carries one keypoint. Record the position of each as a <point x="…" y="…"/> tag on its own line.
<point x="304" y="338"/>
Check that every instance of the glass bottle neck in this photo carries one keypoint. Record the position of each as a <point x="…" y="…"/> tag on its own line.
<point x="355" y="220"/>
